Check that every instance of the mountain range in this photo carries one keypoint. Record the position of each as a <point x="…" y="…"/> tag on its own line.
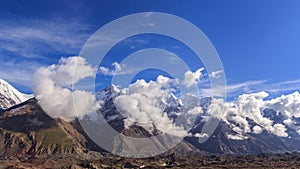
<point x="26" y="130"/>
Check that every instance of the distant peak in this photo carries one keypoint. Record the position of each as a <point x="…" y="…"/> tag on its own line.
<point x="3" y="81"/>
<point x="114" y="88"/>
<point x="111" y="88"/>
<point x="108" y="92"/>
<point x="10" y="96"/>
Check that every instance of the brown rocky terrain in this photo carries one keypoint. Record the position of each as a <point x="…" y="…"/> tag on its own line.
<point x="25" y="130"/>
<point x="94" y="161"/>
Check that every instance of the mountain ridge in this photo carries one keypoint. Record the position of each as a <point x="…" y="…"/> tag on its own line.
<point x="224" y="140"/>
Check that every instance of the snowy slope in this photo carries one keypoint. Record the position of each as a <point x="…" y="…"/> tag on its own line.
<point x="9" y="96"/>
<point x="107" y="93"/>
<point x="225" y="139"/>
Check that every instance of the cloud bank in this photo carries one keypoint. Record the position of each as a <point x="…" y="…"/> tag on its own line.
<point x="251" y="107"/>
<point x="52" y="88"/>
<point x="143" y="103"/>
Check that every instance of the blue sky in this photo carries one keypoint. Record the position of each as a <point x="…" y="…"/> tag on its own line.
<point x="257" y="41"/>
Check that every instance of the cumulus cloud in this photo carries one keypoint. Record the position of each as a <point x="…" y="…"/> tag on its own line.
<point x="247" y="107"/>
<point x="289" y="105"/>
<point x="64" y="72"/>
<point x="117" y="68"/>
<point x="280" y="130"/>
<point x="191" y="78"/>
<point x="257" y="130"/>
<point x="251" y="107"/>
<point x="142" y="103"/>
<point x="243" y="115"/>
<point x="52" y="88"/>
<point x="292" y="124"/>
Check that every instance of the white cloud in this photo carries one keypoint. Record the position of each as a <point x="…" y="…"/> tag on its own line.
<point x="242" y="122"/>
<point x="289" y="105"/>
<point x="257" y="129"/>
<point x="280" y="130"/>
<point x="201" y="135"/>
<point x="216" y="74"/>
<point x="292" y="124"/>
<point x="117" y="68"/>
<point x="236" y="137"/>
<point x="192" y="78"/>
<point x="65" y="73"/>
<point x="142" y="103"/>
<point x="247" y="106"/>
<point x="51" y="88"/>
<point x="104" y="70"/>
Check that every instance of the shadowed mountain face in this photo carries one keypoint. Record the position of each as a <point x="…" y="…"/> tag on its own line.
<point x="26" y="130"/>
<point x="254" y="144"/>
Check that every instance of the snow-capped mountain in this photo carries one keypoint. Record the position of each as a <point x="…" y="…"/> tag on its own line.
<point x="225" y="138"/>
<point x="170" y="104"/>
<point x="107" y="93"/>
<point x="106" y="96"/>
<point x="9" y="96"/>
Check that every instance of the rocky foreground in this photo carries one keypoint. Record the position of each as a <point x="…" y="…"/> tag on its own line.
<point x="95" y="161"/>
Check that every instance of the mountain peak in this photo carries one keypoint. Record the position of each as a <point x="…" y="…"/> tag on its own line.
<point x="114" y="88"/>
<point x="108" y="92"/>
<point x="10" y="96"/>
